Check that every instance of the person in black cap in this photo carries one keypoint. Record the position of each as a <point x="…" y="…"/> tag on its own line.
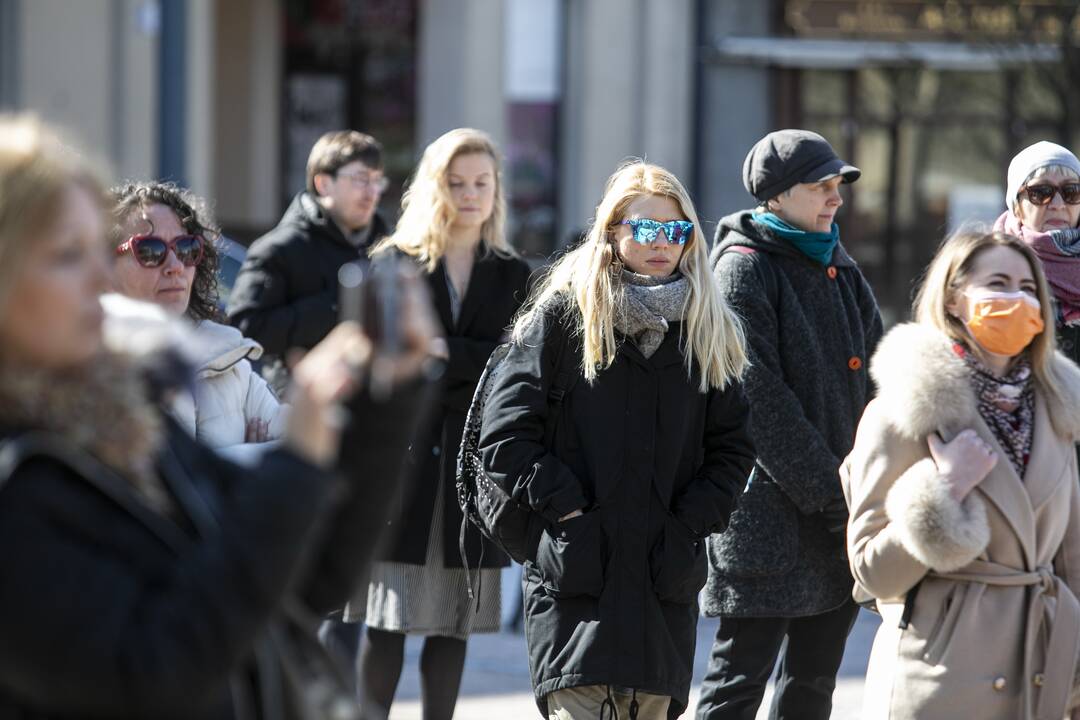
<point x="780" y="570"/>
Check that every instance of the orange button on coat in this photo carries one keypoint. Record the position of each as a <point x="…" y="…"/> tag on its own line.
<point x="831" y="272"/>
<point x="855" y="362"/>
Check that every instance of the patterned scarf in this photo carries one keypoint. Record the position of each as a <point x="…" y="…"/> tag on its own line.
<point x="649" y="304"/>
<point x="1007" y="405"/>
<point x="1059" y="251"/>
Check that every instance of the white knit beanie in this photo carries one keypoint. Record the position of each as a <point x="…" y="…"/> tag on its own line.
<point x="1030" y="159"/>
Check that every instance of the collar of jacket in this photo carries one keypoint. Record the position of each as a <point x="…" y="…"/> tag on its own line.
<point x="220" y="347"/>
<point x="670" y="352"/>
<point x="305" y="211"/>
<point x="817" y="246"/>
<point x="741" y="229"/>
<point x="926" y="386"/>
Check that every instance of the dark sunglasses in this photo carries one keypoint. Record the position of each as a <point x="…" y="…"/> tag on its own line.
<point x="1043" y="193"/>
<point x="645" y="230"/>
<point x="151" y="251"/>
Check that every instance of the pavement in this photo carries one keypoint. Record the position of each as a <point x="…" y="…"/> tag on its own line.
<point x="496" y="680"/>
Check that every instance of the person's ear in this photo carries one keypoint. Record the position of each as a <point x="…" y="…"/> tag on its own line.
<point x="954" y="306"/>
<point x="321" y="181"/>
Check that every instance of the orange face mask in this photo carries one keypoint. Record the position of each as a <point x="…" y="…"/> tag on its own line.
<point x="1004" y="323"/>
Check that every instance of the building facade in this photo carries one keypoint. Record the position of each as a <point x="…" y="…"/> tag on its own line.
<point x="929" y="97"/>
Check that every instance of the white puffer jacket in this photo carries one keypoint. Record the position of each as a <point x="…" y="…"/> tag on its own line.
<point x="228" y="392"/>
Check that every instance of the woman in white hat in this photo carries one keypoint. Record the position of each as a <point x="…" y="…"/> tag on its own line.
<point x="1043" y="199"/>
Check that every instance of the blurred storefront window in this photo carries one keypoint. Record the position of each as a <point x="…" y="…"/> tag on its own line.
<point x="533" y="89"/>
<point x="350" y="64"/>
<point x="930" y="99"/>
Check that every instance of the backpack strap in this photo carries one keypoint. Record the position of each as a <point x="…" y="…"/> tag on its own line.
<point x="764" y="269"/>
<point x="566" y="376"/>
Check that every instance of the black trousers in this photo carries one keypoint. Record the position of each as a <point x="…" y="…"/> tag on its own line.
<point x="744" y="655"/>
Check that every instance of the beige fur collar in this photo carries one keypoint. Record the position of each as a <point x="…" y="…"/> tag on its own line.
<point x="102" y="408"/>
<point x="925" y="386"/>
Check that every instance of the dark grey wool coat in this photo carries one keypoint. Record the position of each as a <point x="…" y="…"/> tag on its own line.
<point x="810" y="331"/>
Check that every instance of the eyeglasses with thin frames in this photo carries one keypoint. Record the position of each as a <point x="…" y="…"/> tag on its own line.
<point x="364" y="181"/>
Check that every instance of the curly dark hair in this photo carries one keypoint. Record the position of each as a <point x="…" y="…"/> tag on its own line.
<point x="194" y="217"/>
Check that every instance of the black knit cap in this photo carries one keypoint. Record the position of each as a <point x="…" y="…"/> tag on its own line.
<point x="785" y="158"/>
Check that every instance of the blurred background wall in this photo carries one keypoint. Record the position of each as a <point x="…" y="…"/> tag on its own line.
<point x="929" y="97"/>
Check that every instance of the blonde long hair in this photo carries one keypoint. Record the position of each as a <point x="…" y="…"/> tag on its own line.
<point x="36" y="167"/>
<point x="427" y="208"/>
<point x="589" y="274"/>
<point x="948" y="272"/>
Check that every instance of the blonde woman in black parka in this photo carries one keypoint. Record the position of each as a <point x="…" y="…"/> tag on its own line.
<point x="649" y="452"/>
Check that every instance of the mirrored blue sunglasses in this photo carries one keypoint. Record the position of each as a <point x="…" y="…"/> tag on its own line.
<point x="645" y="230"/>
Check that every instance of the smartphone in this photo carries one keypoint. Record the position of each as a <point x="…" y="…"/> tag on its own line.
<point x="369" y="294"/>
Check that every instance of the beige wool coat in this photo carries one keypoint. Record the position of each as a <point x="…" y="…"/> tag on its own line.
<point x="994" y="626"/>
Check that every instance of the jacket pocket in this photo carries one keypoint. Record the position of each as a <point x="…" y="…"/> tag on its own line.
<point x="937" y="641"/>
<point x="762" y="537"/>
<point x="570" y="557"/>
<point x="678" y="564"/>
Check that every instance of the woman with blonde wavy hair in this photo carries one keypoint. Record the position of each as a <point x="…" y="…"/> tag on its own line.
<point x="964" y="496"/>
<point x="630" y="468"/>
<point x="453" y="227"/>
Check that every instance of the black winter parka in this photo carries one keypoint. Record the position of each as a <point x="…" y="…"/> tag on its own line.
<point x="286" y="293"/>
<point x="611" y="597"/>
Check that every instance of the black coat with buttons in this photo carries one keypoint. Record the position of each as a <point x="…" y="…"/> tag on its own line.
<point x="497" y="288"/>
<point x="611" y="596"/>
<point x="810" y="331"/>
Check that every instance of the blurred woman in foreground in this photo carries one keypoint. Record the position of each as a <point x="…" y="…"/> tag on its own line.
<point x="141" y="571"/>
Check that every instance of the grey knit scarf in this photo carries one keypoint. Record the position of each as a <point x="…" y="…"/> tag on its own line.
<point x="648" y="305"/>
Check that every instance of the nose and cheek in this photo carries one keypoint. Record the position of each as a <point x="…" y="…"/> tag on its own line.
<point x="172" y="265"/>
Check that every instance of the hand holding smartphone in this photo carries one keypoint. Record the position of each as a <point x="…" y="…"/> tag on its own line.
<point x="391" y="306"/>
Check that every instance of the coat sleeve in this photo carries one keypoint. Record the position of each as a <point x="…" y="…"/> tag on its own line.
<point x="789" y="448"/>
<point x="514" y="422"/>
<point x="904" y="520"/>
<point x="86" y="633"/>
<point x="261" y="402"/>
<point x="263" y="308"/>
<point x="706" y="504"/>
<point x="374" y="449"/>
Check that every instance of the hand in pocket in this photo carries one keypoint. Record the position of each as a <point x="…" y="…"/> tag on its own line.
<point x="678" y="564"/>
<point x="571" y="557"/>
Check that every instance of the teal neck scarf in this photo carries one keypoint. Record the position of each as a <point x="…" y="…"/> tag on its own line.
<point x="817" y="246"/>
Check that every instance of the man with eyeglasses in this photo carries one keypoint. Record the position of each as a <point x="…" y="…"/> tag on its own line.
<point x="286" y="292"/>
